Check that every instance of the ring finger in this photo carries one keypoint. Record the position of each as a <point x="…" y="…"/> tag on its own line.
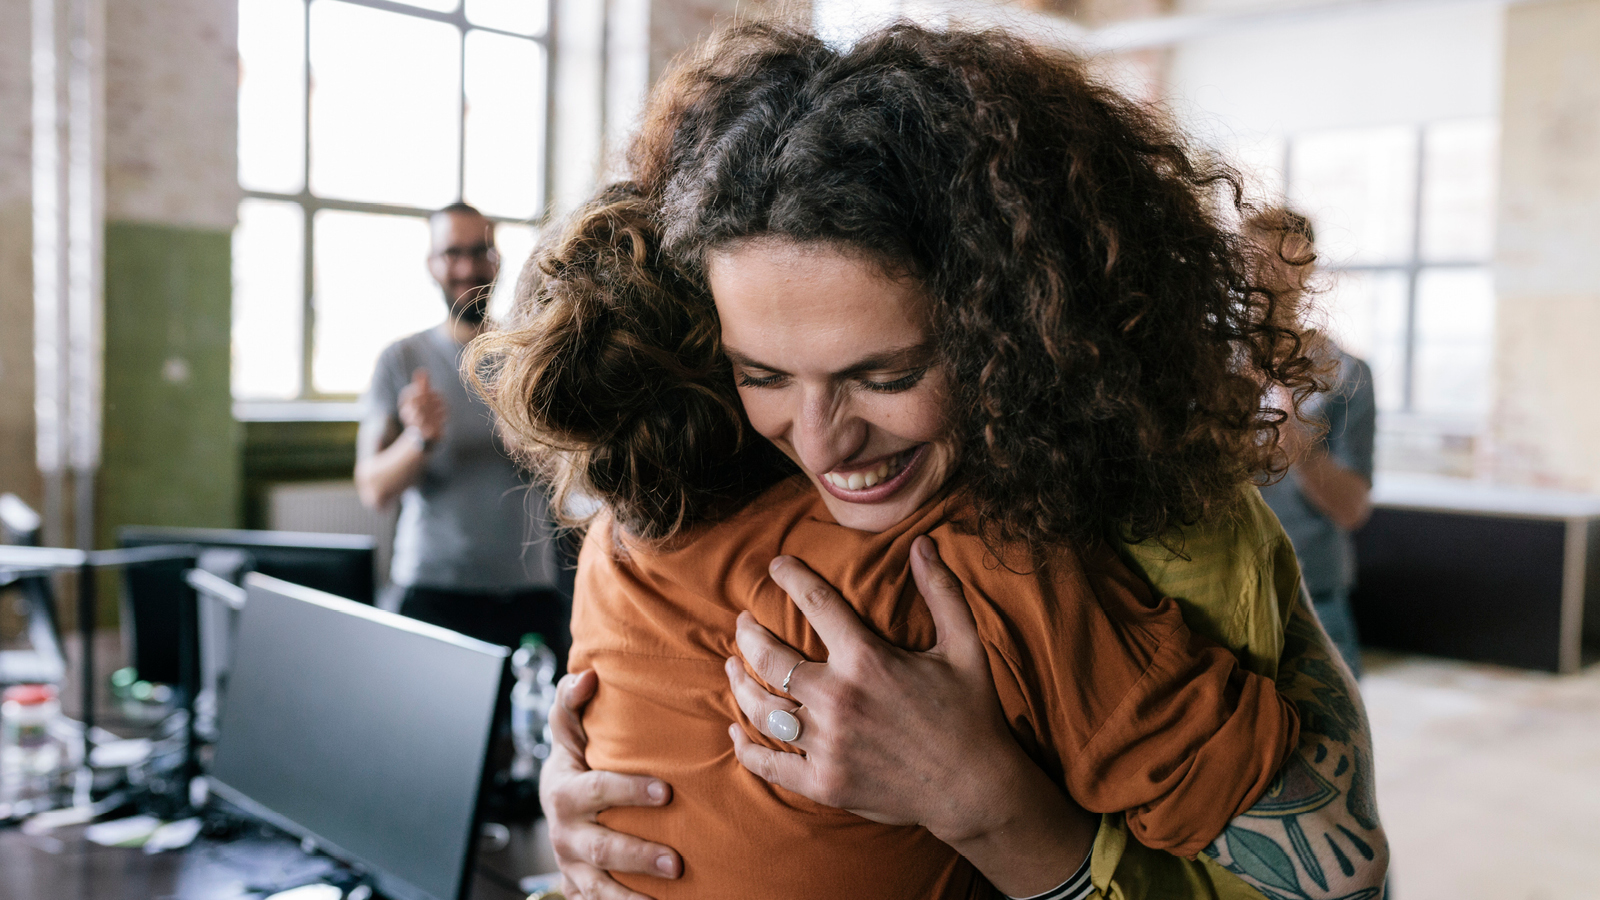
<point x="771" y="659"/>
<point x="757" y="704"/>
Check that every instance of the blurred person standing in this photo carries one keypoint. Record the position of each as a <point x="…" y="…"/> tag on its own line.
<point x="474" y="548"/>
<point x="1326" y="494"/>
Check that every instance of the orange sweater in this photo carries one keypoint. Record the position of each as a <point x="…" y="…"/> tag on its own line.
<point x="1103" y="685"/>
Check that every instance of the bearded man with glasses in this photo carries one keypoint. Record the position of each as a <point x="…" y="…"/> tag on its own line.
<point x="473" y="547"/>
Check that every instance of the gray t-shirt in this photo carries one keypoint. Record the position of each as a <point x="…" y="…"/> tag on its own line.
<point x="472" y="522"/>
<point x="1350" y="411"/>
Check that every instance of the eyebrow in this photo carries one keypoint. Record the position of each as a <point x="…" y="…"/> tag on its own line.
<point x="899" y="358"/>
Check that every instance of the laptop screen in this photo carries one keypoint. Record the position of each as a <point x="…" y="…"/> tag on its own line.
<point x="363" y="730"/>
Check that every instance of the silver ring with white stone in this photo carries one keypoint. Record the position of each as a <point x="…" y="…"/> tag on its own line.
<point x="783" y="725"/>
<point x="791" y="674"/>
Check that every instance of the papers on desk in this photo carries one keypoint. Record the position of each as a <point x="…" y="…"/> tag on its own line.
<point x="130" y="832"/>
<point x="173" y="836"/>
<point x="147" y="832"/>
<point x="50" y="820"/>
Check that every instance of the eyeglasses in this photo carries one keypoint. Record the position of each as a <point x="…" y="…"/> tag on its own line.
<point x="474" y="253"/>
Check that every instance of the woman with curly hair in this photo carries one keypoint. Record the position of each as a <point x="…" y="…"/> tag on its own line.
<point x="941" y="285"/>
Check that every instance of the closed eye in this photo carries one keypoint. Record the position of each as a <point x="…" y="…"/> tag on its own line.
<point x="748" y="380"/>
<point x="903" y="383"/>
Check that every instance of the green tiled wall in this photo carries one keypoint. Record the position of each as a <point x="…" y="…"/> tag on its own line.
<point x="171" y="447"/>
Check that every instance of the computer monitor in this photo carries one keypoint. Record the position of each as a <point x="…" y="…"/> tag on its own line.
<point x="362" y="730"/>
<point x="341" y="564"/>
<point x="44" y="662"/>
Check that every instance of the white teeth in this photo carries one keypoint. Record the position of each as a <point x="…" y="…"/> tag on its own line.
<point x="858" y="480"/>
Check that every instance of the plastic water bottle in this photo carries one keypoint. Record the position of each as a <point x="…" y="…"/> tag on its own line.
<point x="531" y="699"/>
<point x="31" y="758"/>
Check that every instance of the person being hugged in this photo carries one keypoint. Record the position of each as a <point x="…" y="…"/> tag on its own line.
<point x="936" y="310"/>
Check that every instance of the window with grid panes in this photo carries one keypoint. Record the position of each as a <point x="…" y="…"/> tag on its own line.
<point x="358" y="118"/>
<point x="1405" y="231"/>
<point x="1405" y="224"/>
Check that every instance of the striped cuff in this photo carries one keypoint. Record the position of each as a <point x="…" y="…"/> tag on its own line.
<point x="1078" y="887"/>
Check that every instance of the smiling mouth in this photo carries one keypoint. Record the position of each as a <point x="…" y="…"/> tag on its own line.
<point x="887" y="468"/>
<point x="869" y="485"/>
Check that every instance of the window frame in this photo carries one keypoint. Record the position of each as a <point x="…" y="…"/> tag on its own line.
<point x="1411" y="267"/>
<point x="310" y="204"/>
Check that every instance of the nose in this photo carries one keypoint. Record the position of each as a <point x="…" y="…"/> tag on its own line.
<point x="826" y="431"/>
<point x="465" y="266"/>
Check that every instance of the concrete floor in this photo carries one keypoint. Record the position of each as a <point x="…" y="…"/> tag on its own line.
<point x="1488" y="779"/>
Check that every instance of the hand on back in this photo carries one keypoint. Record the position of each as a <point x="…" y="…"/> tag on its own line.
<point x="573" y="796"/>
<point x="883" y="730"/>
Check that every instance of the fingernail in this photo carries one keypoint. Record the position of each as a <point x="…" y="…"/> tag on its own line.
<point x="664" y="863"/>
<point x="657" y="791"/>
<point x="925" y="547"/>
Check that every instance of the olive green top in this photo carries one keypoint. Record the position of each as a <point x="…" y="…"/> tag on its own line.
<point x="1236" y="580"/>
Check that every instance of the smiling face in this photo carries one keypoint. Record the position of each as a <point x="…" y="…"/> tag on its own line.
<point x="464" y="262"/>
<point x="835" y="365"/>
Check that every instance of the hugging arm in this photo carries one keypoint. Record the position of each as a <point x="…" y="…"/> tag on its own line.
<point x="933" y="713"/>
<point x="572" y="796"/>
<point x="1315" y="833"/>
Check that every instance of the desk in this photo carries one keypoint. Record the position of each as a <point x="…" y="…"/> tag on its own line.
<point x="1476" y="572"/>
<point x="64" y="865"/>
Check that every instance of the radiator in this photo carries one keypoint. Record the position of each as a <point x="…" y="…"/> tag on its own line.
<point x="331" y="507"/>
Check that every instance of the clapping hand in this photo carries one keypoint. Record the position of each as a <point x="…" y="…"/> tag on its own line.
<point x="422" y="408"/>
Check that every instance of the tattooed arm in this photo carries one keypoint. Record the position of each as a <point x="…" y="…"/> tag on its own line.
<point x="1315" y="835"/>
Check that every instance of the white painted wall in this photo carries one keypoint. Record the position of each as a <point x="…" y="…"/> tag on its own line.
<point x="1546" y="421"/>
<point x="1550" y="230"/>
<point x="1366" y="66"/>
<point x="172" y="93"/>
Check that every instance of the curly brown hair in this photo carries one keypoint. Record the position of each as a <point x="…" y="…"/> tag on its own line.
<point x="1107" y="342"/>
